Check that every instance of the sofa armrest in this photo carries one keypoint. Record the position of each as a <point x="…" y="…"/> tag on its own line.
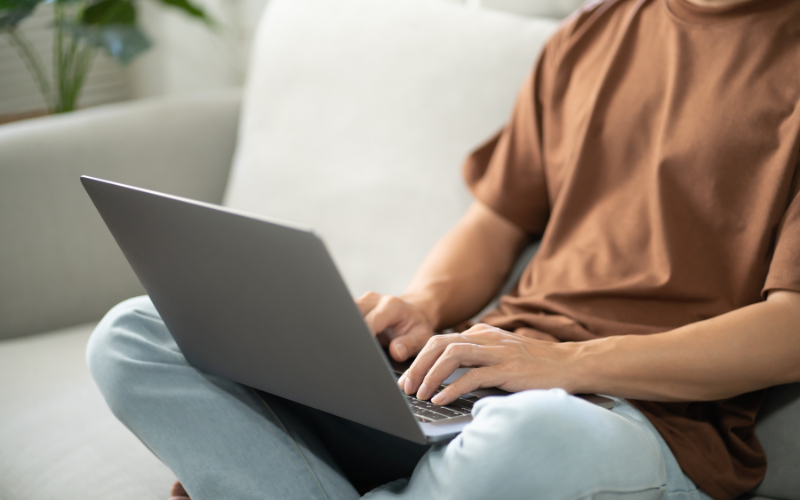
<point x="59" y="265"/>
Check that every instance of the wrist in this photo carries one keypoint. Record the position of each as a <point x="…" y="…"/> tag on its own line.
<point x="585" y="361"/>
<point x="427" y="305"/>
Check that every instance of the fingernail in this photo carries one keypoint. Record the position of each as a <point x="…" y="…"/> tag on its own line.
<point x="401" y="382"/>
<point x="408" y="387"/>
<point x="438" y="399"/>
<point x="422" y="393"/>
<point x="401" y="351"/>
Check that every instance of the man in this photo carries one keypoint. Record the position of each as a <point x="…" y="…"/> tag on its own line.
<point x="655" y="150"/>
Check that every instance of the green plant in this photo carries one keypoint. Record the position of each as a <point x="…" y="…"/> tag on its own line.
<point x="82" y="27"/>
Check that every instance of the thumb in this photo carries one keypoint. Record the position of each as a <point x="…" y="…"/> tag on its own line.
<point x="385" y="314"/>
<point x="410" y="344"/>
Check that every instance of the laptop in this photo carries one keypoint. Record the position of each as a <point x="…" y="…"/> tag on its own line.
<point x="261" y="302"/>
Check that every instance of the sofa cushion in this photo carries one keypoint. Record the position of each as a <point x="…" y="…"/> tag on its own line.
<point x="357" y="115"/>
<point x="778" y="429"/>
<point x="58" y="439"/>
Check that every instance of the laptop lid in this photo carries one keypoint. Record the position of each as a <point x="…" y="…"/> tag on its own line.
<point x="255" y="301"/>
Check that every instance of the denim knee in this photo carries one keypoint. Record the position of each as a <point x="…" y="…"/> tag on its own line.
<point x="553" y="443"/>
<point x="118" y="346"/>
<point x="552" y="418"/>
<point x="549" y="426"/>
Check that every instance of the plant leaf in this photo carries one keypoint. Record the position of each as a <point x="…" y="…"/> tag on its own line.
<point x="12" y="12"/>
<point x="191" y="9"/>
<point x="109" y="12"/>
<point x="16" y="4"/>
<point x="123" y="42"/>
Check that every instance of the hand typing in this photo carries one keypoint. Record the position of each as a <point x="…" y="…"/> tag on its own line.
<point x="398" y="323"/>
<point x="499" y="359"/>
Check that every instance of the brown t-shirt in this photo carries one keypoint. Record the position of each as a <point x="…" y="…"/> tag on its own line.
<point x="655" y="148"/>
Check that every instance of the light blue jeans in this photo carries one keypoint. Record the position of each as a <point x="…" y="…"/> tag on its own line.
<point x="227" y="441"/>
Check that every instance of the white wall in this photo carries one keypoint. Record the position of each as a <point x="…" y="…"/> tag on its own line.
<point x="189" y="56"/>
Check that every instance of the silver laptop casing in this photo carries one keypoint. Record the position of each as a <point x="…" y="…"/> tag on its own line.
<point x="261" y="303"/>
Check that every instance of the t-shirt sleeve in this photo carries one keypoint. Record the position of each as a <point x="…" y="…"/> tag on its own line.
<point x="507" y="173"/>
<point x="784" y="269"/>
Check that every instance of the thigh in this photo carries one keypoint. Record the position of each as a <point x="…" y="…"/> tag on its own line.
<point x="367" y="457"/>
<point x="544" y="444"/>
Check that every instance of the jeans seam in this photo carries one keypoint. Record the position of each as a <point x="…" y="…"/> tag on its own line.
<point x="288" y="434"/>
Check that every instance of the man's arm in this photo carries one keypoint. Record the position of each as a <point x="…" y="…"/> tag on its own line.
<point x="462" y="273"/>
<point x="751" y="348"/>
<point x="744" y="350"/>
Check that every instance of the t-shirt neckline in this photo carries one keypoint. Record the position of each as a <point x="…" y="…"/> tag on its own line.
<point x="692" y="13"/>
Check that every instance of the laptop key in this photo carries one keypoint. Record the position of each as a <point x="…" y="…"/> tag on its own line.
<point x="447" y="412"/>
<point x="428" y="414"/>
<point x="462" y="406"/>
<point x="425" y="410"/>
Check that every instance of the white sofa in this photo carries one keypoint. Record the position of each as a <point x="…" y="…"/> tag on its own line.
<point x="355" y="119"/>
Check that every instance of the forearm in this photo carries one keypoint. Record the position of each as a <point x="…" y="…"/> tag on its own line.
<point x="466" y="268"/>
<point x="747" y="349"/>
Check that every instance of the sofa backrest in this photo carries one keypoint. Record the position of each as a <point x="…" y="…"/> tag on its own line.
<point x="357" y="115"/>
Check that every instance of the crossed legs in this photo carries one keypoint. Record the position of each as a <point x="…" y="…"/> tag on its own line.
<point x="224" y="440"/>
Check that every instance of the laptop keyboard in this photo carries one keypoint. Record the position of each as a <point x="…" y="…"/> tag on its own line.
<point x="425" y="411"/>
